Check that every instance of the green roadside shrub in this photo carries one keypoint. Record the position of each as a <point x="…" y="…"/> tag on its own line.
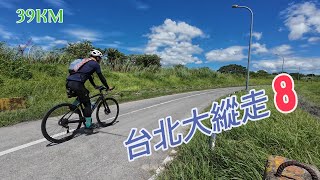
<point x="15" y="69"/>
<point x="50" y="70"/>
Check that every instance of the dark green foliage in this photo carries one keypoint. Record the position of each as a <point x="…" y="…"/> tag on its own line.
<point x="233" y="69"/>
<point x="296" y="76"/>
<point x="50" y="70"/>
<point x="115" y="58"/>
<point x="260" y="74"/>
<point x="204" y="72"/>
<point x="79" y="50"/>
<point x="15" y="69"/>
<point x="146" y="60"/>
<point x="311" y="75"/>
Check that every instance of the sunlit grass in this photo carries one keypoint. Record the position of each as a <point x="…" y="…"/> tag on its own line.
<point x="46" y="88"/>
<point x="241" y="153"/>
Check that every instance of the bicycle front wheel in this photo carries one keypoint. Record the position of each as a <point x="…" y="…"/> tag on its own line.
<point x="107" y="112"/>
<point x="60" y="122"/>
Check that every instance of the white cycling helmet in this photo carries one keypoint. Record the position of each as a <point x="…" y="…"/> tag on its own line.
<point x="95" y="53"/>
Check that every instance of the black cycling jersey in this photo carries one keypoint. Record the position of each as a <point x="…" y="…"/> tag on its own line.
<point x="86" y="72"/>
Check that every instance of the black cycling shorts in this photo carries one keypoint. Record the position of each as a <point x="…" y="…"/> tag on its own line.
<point x="83" y="95"/>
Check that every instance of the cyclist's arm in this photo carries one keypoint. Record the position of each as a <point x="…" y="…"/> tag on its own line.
<point x="101" y="77"/>
<point x="103" y="80"/>
<point x="92" y="82"/>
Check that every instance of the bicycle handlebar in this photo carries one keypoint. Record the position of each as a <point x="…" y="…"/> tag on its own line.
<point x="101" y="88"/>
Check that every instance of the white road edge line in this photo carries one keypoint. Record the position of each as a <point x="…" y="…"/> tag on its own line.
<point x="170" y="158"/>
<point x="162" y="103"/>
<point x="56" y="135"/>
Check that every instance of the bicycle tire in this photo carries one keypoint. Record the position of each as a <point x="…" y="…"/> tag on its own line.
<point x="116" y="105"/>
<point x="45" y="120"/>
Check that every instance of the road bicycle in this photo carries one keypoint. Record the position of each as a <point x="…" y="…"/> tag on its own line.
<point x="68" y="118"/>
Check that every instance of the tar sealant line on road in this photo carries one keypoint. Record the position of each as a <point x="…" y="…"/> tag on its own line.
<point x="57" y="135"/>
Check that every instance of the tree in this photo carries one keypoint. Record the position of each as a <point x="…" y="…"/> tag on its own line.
<point x="311" y="75"/>
<point x="253" y="74"/>
<point x="179" y="66"/>
<point x="233" y="69"/>
<point x="115" y="57"/>
<point x="262" y="73"/>
<point x="296" y="75"/>
<point x="147" y="60"/>
<point x="79" y="50"/>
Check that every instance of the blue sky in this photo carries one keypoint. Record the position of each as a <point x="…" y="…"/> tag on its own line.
<point x="195" y="33"/>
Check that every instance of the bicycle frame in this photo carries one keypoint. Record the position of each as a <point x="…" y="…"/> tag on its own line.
<point x="101" y="97"/>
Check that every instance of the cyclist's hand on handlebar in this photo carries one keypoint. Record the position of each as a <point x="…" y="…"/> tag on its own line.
<point x="104" y="88"/>
<point x="111" y="88"/>
<point x="98" y="87"/>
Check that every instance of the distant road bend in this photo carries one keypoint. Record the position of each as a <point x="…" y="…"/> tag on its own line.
<point x="25" y="154"/>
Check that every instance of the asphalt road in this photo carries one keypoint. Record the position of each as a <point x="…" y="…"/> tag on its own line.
<point x="25" y="154"/>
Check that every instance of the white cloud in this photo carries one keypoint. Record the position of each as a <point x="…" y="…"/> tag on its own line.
<point x="257" y="35"/>
<point x="48" y="42"/>
<point x="172" y="41"/>
<point x="233" y="53"/>
<point x="60" y="4"/>
<point x="135" y="49"/>
<point x="38" y="39"/>
<point x="5" y="34"/>
<point x="83" y="34"/>
<point x="141" y="5"/>
<point x="236" y="53"/>
<point x="280" y="29"/>
<point x="282" y="50"/>
<point x="302" y="19"/>
<point x="198" y="62"/>
<point x="291" y="64"/>
<point x="114" y="44"/>
<point x="258" y="48"/>
<point x="60" y="42"/>
<point x="314" y="39"/>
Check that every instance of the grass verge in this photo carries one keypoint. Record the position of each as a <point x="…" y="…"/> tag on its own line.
<point x="241" y="153"/>
<point x="46" y="88"/>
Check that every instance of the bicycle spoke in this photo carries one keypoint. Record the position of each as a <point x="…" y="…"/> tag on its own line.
<point x="107" y="111"/>
<point x="60" y="122"/>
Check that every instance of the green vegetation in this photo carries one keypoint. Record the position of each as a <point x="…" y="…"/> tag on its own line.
<point x="41" y="79"/>
<point x="47" y="86"/>
<point x="309" y="91"/>
<point x="233" y="69"/>
<point x="241" y="153"/>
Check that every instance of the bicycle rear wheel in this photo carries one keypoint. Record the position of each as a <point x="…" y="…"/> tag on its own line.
<point x="60" y="122"/>
<point x="107" y="112"/>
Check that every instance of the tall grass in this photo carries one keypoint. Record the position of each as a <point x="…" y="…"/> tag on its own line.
<point x="46" y="87"/>
<point x="40" y="78"/>
<point x="241" y="153"/>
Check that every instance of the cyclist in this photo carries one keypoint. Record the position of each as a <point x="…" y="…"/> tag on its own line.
<point x="76" y="81"/>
